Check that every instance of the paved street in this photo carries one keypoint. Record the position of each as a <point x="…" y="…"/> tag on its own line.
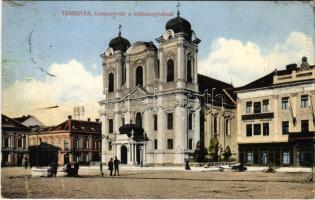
<point x="17" y="183"/>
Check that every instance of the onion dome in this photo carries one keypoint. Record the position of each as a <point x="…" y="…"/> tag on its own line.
<point x="179" y="24"/>
<point x="119" y="43"/>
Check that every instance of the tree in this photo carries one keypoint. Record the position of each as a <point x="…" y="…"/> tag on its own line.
<point x="214" y="149"/>
<point x="227" y="153"/>
<point x="200" y="153"/>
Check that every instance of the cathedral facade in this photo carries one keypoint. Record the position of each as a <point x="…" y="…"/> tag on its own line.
<point x="151" y="111"/>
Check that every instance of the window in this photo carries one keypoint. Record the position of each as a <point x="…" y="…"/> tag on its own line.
<point x="304" y="126"/>
<point x="76" y="143"/>
<point x="227" y="128"/>
<point x="123" y="74"/>
<point x="286" y="158"/>
<point x="110" y="126"/>
<point x="257" y="129"/>
<point x="249" y="107"/>
<point x="250" y="158"/>
<point x="139" y="76"/>
<point x="158" y="69"/>
<point x="304" y="101"/>
<point x="285" y="103"/>
<point x="155" y="122"/>
<point x="190" y="143"/>
<point x="169" y="121"/>
<point x="170" y="71"/>
<point x="169" y="143"/>
<point x="66" y="145"/>
<point x="266" y="105"/>
<point x="265" y="129"/>
<point x="110" y="82"/>
<point x="6" y="141"/>
<point x="249" y="130"/>
<point x="189" y="74"/>
<point x="109" y="146"/>
<point x="190" y="121"/>
<point x="139" y="119"/>
<point x="155" y="144"/>
<point x="257" y="107"/>
<point x="19" y="142"/>
<point x="86" y="144"/>
<point x="285" y="128"/>
<point x="215" y="125"/>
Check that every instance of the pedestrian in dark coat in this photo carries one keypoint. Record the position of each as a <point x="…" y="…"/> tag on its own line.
<point x="110" y="166"/>
<point x="116" y="165"/>
<point x="187" y="167"/>
<point x="76" y="168"/>
<point x="101" y="168"/>
<point x="54" y="168"/>
<point x="26" y="163"/>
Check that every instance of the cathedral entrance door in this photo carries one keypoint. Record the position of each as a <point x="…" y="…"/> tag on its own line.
<point x="123" y="154"/>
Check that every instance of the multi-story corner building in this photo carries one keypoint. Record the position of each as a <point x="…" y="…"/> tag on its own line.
<point x="70" y="141"/>
<point x="276" y="117"/>
<point x="158" y="90"/>
<point x="14" y="137"/>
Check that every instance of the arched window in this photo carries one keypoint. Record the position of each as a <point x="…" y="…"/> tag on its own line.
<point x="215" y="125"/>
<point x="189" y="74"/>
<point x="139" y="76"/>
<point x="139" y="119"/>
<point x="158" y="69"/>
<point x="170" y="71"/>
<point x="110" y="82"/>
<point x="123" y="74"/>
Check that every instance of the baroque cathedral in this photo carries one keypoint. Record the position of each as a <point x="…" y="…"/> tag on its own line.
<point x="155" y="107"/>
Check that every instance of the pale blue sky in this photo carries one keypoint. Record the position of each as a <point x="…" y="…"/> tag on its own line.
<point x="57" y="38"/>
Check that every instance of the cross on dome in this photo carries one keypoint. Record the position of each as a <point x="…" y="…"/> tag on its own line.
<point x="178" y="5"/>
<point x="119" y="27"/>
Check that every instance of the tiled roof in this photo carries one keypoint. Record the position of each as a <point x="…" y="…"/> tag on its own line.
<point x="22" y="119"/>
<point x="75" y="126"/>
<point x="8" y="123"/>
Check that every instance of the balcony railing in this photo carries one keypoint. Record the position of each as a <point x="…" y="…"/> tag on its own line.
<point x="258" y="116"/>
<point x="301" y="136"/>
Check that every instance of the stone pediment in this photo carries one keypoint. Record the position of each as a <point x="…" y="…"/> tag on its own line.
<point x="137" y="92"/>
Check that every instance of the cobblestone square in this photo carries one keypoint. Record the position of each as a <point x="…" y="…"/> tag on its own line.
<point x="18" y="183"/>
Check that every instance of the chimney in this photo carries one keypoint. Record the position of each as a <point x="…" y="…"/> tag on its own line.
<point x="97" y="120"/>
<point x="89" y="119"/>
<point x="69" y="117"/>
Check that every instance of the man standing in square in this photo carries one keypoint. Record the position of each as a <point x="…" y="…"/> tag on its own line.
<point x="116" y="165"/>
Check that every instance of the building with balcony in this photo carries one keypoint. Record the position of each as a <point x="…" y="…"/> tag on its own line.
<point x="70" y="141"/>
<point x="14" y="137"/>
<point x="275" y="117"/>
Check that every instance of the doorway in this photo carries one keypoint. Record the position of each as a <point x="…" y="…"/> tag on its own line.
<point x="123" y="154"/>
